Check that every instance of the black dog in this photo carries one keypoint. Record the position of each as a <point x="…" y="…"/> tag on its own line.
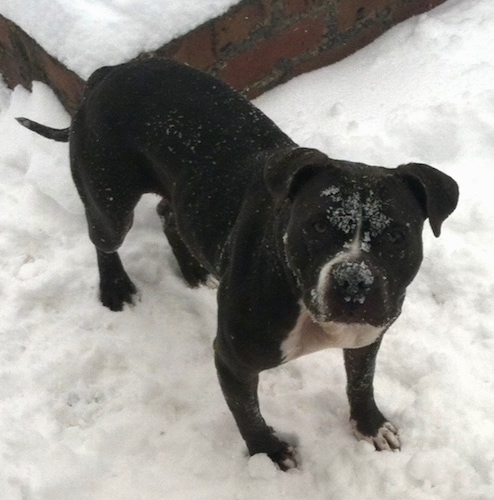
<point x="310" y="252"/>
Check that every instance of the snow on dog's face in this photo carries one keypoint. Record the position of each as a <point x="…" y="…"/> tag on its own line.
<point x="353" y="242"/>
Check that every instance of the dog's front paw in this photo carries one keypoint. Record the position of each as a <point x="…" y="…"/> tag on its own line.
<point x="285" y="458"/>
<point x="117" y="293"/>
<point x="386" y="437"/>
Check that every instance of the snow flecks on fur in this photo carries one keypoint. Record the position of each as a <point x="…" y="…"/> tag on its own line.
<point x="352" y="212"/>
<point x="373" y="214"/>
<point x="346" y="211"/>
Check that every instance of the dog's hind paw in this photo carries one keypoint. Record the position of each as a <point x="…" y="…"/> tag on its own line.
<point x="386" y="437"/>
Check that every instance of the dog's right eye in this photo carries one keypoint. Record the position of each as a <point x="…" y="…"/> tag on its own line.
<point x="320" y="226"/>
<point x="396" y="236"/>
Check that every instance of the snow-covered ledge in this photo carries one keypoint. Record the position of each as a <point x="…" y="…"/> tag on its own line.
<point x="254" y="45"/>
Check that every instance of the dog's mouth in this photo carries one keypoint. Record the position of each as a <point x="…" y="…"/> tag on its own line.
<point x="351" y="315"/>
<point x="352" y="293"/>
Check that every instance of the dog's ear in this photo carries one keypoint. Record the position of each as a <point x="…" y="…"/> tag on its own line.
<point x="437" y="192"/>
<point x="284" y="169"/>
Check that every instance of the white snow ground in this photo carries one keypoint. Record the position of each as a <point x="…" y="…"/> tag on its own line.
<point x="115" y="406"/>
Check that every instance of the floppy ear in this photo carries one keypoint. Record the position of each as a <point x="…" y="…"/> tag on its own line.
<point x="285" y="166"/>
<point x="437" y="192"/>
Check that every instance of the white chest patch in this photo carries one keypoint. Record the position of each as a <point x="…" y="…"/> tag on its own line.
<point x="308" y="336"/>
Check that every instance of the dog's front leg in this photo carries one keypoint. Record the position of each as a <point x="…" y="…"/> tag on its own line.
<point x="367" y="421"/>
<point x="240" y="391"/>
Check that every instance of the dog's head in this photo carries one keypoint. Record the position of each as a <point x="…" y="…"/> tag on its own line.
<point x="352" y="233"/>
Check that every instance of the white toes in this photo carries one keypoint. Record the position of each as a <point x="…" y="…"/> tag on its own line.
<point x="288" y="461"/>
<point x="386" y="437"/>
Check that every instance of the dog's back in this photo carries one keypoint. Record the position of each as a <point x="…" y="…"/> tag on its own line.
<point x="189" y="137"/>
<point x="177" y="115"/>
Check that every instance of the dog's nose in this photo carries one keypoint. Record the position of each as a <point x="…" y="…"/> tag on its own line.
<point x="352" y="280"/>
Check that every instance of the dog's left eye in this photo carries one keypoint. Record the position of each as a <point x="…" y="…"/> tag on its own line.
<point x="320" y="226"/>
<point x="396" y="236"/>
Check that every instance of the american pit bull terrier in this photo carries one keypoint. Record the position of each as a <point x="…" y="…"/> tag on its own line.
<point x="310" y="252"/>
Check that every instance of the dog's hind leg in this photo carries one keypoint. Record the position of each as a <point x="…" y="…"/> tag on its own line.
<point x="109" y="197"/>
<point x="193" y="273"/>
<point x="116" y="288"/>
<point x="107" y="235"/>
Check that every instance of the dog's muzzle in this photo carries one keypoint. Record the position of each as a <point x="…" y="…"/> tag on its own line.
<point x="352" y="281"/>
<point x="351" y="291"/>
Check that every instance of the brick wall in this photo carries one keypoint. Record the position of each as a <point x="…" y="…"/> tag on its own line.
<point x="256" y="45"/>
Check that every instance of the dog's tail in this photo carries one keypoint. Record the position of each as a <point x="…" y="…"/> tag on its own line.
<point x="57" y="134"/>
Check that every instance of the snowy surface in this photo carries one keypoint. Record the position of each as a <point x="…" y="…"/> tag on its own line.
<point x="87" y="34"/>
<point x="96" y="405"/>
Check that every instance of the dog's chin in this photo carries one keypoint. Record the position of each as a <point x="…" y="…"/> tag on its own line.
<point x="328" y="317"/>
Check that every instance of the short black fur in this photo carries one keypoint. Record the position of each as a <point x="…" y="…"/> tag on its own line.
<point x="238" y="201"/>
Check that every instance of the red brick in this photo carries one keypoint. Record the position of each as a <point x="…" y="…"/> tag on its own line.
<point x="5" y="42"/>
<point x="350" y="12"/>
<point x="196" y="48"/>
<point x="268" y="7"/>
<point x="404" y="11"/>
<point x="67" y="84"/>
<point x="256" y="63"/>
<point x="10" y="70"/>
<point x="238" y="26"/>
<point x="257" y="68"/>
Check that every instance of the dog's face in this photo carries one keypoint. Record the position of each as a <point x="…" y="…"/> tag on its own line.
<point x="353" y="242"/>
<point x="353" y="234"/>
